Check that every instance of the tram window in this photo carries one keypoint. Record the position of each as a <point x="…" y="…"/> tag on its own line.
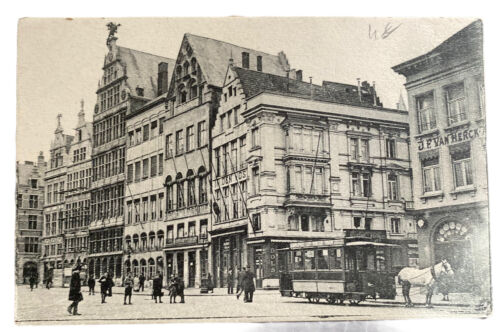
<point x="380" y="260"/>
<point x="370" y="260"/>
<point x="309" y="261"/>
<point x="298" y="260"/>
<point x="335" y="256"/>
<point x="322" y="259"/>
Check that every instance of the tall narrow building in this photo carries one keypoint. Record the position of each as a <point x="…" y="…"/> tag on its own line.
<point x="54" y="206"/>
<point x="29" y="218"/>
<point x="129" y="81"/>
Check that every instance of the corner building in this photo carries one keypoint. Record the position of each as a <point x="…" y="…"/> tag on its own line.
<point x="295" y="161"/>
<point x="192" y="105"/>
<point x="128" y="82"/>
<point x="448" y="151"/>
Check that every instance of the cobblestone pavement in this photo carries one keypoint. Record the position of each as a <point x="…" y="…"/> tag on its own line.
<point x="49" y="306"/>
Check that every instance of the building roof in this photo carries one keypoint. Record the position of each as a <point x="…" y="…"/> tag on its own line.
<point x="213" y="57"/>
<point x="142" y="70"/>
<point x="465" y="44"/>
<point x="255" y="82"/>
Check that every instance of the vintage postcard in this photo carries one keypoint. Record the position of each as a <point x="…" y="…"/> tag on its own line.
<point x="250" y="170"/>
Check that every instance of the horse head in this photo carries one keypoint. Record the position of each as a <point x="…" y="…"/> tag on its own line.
<point x="446" y="268"/>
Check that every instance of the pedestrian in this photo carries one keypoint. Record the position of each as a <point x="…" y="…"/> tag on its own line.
<point x="180" y="289"/>
<point x="141" y="282"/>
<point x="248" y="285"/>
<point x="129" y="285"/>
<point x="238" y="284"/>
<point x="104" y="281"/>
<point x="111" y="284"/>
<point x="172" y="288"/>
<point x="405" y="289"/>
<point x="210" y="284"/>
<point x="136" y="283"/>
<point x="230" y="281"/>
<point x="241" y="275"/>
<point x="37" y="280"/>
<point x="75" y="294"/>
<point x="32" y="281"/>
<point x="157" y="288"/>
<point x="48" y="282"/>
<point x="91" y="284"/>
<point x="444" y="287"/>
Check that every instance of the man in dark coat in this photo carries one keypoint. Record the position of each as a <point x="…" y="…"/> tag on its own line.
<point x="210" y="283"/>
<point x="248" y="285"/>
<point x="32" y="281"/>
<point x="75" y="294"/>
<point x="141" y="282"/>
<point x="105" y="285"/>
<point x="91" y="284"/>
<point x="157" y="288"/>
<point x="180" y="288"/>
<point x="230" y="281"/>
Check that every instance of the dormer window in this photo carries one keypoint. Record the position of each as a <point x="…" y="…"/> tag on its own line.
<point x="139" y="91"/>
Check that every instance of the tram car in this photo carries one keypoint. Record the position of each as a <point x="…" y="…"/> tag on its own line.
<point x="339" y="270"/>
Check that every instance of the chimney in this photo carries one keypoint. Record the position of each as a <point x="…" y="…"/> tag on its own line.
<point x="298" y="75"/>
<point x="41" y="159"/>
<point x="359" y="89"/>
<point x="162" y="78"/>
<point x="311" y="85"/>
<point x="374" y="95"/>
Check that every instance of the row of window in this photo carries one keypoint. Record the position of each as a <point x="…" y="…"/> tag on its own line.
<point x="55" y="193"/>
<point x="110" y="74"/>
<point x="306" y="223"/>
<point x="107" y="240"/>
<point x="54" y="223"/>
<point x="109" y="98"/>
<point x="461" y="167"/>
<point x="77" y="214"/>
<point x="145" y="208"/>
<point x="231" y="91"/>
<point x="230" y="157"/>
<point x="30" y="244"/>
<point x="52" y="249"/>
<point x="231" y="202"/>
<point x="27" y="202"/>
<point x="455" y="99"/>
<point x="76" y="244"/>
<point x="79" y="154"/>
<point x="306" y="140"/>
<point x="150" y="167"/>
<point x="229" y="118"/>
<point x="306" y="180"/>
<point x="108" y="164"/>
<point x="56" y="160"/>
<point x="190" y="141"/>
<point x="107" y="202"/>
<point x="109" y="129"/>
<point x="192" y="187"/>
<point x="79" y="179"/>
<point x="146" y="132"/>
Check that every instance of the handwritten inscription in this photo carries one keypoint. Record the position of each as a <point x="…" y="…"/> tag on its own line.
<point x="389" y="29"/>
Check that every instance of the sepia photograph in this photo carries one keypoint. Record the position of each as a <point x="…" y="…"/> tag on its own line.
<point x="250" y="169"/>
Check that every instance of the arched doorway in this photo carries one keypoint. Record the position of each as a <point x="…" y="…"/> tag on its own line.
<point x="29" y="269"/>
<point x="452" y="241"/>
<point x="151" y="268"/>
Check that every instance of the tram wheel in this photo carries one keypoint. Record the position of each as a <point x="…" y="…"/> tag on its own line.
<point x="354" y="302"/>
<point x="309" y="299"/>
<point x="317" y="299"/>
<point x="330" y="300"/>
<point x="340" y="301"/>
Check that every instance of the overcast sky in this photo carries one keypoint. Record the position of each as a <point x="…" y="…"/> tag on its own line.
<point x="60" y="61"/>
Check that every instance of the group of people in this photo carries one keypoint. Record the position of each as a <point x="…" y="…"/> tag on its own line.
<point x="245" y="283"/>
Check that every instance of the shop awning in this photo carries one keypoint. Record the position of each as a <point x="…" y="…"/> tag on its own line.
<point x="367" y="243"/>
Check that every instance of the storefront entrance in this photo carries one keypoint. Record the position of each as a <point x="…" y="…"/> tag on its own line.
<point x="29" y="269"/>
<point x="180" y="265"/>
<point x="452" y="241"/>
<point x="192" y="268"/>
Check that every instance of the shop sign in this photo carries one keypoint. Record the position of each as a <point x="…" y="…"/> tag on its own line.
<point x="451" y="138"/>
<point x="237" y="176"/>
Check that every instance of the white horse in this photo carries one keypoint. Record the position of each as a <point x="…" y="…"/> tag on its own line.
<point x="427" y="277"/>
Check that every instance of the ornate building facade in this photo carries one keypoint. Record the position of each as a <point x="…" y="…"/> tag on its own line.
<point x="54" y="206"/>
<point x="296" y="161"/>
<point x="29" y="218"/>
<point x="145" y="192"/>
<point x="448" y="151"/>
<point x="128" y="82"/>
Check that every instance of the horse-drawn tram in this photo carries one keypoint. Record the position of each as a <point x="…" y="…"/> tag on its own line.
<point x="339" y="270"/>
